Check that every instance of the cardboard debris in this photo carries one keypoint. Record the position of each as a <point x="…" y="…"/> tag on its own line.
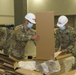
<point x="28" y="72"/>
<point x="73" y="72"/>
<point x="25" y="71"/>
<point x="7" y="65"/>
<point x="2" y="71"/>
<point x="6" y="59"/>
<point x="63" y="56"/>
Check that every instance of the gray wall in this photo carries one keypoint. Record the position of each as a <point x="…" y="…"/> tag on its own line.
<point x="60" y="7"/>
<point x="67" y="7"/>
<point x="20" y="9"/>
<point x="6" y="11"/>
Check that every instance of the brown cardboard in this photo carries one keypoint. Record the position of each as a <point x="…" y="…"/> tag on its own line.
<point x="28" y="72"/>
<point x="45" y="29"/>
<point x="70" y="73"/>
<point x="25" y="71"/>
<point x="63" y="56"/>
<point x="16" y="65"/>
<point x="2" y="71"/>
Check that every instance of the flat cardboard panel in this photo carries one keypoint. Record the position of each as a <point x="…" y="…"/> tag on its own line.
<point x="73" y="72"/>
<point x="45" y="29"/>
<point x="63" y="56"/>
<point x="28" y="72"/>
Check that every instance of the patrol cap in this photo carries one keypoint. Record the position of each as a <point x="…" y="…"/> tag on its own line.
<point x="62" y="20"/>
<point x="31" y="17"/>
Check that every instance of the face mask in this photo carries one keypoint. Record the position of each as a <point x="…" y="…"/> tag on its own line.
<point x="62" y="28"/>
<point x="30" y="25"/>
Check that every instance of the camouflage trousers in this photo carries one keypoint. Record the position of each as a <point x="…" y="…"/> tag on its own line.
<point x="19" y="54"/>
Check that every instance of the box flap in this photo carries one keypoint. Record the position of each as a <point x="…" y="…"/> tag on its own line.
<point x="28" y="72"/>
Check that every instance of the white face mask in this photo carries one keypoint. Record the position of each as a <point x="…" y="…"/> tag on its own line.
<point x="30" y="25"/>
<point x="62" y="28"/>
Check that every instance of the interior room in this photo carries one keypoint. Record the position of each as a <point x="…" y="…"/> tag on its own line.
<point x="12" y="14"/>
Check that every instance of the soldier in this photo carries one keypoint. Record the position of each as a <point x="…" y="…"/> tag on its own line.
<point x="65" y="36"/>
<point x="8" y="41"/>
<point x="22" y="34"/>
<point x="3" y="36"/>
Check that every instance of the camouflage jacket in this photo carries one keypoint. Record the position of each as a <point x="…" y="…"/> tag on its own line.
<point x="8" y="41"/>
<point x="19" y="40"/>
<point x="3" y="36"/>
<point x="66" y="40"/>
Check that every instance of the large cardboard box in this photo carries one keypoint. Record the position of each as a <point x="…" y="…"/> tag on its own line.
<point x="45" y="29"/>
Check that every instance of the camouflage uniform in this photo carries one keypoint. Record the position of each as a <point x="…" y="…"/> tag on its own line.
<point x="19" y="40"/>
<point x="3" y="36"/>
<point x="66" y="40"/>
<point x="7" y="43"/>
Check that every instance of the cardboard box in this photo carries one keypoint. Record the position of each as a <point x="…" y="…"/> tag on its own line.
<point x="25" y="71"/>
<point x="28" y="72"/>
<point x="45" y="29"/>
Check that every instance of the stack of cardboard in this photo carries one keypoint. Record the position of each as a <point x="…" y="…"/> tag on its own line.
<point x="7" y="65"/>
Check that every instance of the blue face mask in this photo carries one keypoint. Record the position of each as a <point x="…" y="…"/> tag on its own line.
<point x="30" y="25"/>
<point x="62" y="28"/>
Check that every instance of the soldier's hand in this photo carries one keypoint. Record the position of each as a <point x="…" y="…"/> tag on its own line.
<point x="62" y="52"/>
<point x="35" y="37"/>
